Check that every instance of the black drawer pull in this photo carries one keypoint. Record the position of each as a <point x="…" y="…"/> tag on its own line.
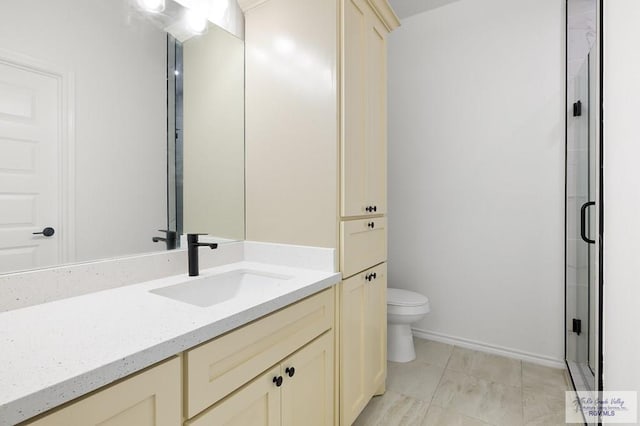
<point x="278" y="381"/>
<point x="290" y="371"/>
<point x="371" y="225"/>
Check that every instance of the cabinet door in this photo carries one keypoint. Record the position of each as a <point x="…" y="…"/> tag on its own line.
<point x="376" y="329"/>
<point x="151" y="398"/>
<point x="364" y="94"/>
<point x="256" y="404"/>
<point x="307" y="392"/>
<point x="354" y="87"/>
<point x="376" y="128"/>
<point x="353" y="388"/>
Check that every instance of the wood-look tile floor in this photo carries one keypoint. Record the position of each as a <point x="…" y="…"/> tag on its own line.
<point x="452" y="386"/>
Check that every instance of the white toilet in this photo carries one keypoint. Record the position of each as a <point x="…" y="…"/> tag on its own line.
<point x="403" y="308"/>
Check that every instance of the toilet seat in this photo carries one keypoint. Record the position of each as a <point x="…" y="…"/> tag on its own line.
<point x="399" y="297"/>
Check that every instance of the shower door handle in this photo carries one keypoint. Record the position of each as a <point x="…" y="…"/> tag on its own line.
<point x="583" y="222"/>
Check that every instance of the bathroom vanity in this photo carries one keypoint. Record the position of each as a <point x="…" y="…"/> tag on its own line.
<point x="175" y="350"/>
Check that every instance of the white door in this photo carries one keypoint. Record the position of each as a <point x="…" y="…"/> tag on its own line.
<point x="29" y="168"/>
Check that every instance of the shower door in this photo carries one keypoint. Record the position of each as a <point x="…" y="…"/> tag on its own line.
<point x="581" y="230"/>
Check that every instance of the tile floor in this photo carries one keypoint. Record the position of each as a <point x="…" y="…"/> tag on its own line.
<point x="450" y="386"/>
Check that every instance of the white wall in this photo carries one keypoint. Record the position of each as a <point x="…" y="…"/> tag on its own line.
<point x="621" y="196"/>
<point x="119" y="72"/>
<point x="476" y="172"/>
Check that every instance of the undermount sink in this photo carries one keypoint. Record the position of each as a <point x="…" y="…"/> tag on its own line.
<point x="211" y="290"/>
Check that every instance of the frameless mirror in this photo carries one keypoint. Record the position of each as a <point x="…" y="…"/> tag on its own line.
<point x="121" y="127"/>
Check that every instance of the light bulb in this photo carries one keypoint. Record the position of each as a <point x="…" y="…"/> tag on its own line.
<point x="196" y="22"/>
<point x="152" y="6"/>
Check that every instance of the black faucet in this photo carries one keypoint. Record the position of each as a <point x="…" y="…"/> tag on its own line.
<point x="171" y="240"/>
<point x="192" y="251"/>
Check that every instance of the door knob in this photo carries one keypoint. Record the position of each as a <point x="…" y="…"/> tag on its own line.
<point x="47" y="232"/>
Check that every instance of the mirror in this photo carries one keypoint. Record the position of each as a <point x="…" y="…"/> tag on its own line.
<point x="118" y="118"/>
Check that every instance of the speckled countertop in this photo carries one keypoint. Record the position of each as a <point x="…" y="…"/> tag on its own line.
<point x="55" y="352"/>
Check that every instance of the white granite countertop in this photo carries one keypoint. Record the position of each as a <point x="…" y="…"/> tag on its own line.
<point x="55" y="352"/>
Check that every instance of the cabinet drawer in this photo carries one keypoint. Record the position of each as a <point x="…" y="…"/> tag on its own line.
<point x="217" y="368"/>
<point x="151" y="397"/>
<point x="363" y="244"/>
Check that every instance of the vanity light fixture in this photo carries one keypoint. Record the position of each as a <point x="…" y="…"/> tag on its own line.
<point x="152" y="6"/>
<point x="196" y="21"/>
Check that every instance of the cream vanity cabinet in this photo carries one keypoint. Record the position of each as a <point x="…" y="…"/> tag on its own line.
<point x="363" y="317"/>
<point x="277" y="370"/>
<point x="150" y="398"/>
<point x="298" y="391"/>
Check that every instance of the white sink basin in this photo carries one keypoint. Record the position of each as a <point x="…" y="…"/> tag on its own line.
<point x="211" y="290"/>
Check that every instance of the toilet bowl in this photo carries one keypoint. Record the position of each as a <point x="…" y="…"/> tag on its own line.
<point x="403" y="309"/>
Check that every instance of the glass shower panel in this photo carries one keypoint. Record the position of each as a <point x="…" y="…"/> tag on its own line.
<point x="580" y="233"/>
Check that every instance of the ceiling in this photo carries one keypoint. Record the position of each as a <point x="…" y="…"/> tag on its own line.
<point x="406" y="8"/>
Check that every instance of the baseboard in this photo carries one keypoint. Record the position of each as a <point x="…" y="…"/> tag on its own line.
<point x="492" y="349"/>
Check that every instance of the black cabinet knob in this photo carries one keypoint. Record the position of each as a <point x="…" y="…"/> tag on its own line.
<point x="375" y="208"/>
<point x="47" y="232"/>
<point x="368" y="208"/>
<point x="278" y="381"/>
<point x="371" y="225"/>
<point x="290" y="371"/>
<point x="374" y="275"/>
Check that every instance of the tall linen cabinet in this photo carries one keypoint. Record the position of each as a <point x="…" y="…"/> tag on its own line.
<point x="316" y="157"/>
